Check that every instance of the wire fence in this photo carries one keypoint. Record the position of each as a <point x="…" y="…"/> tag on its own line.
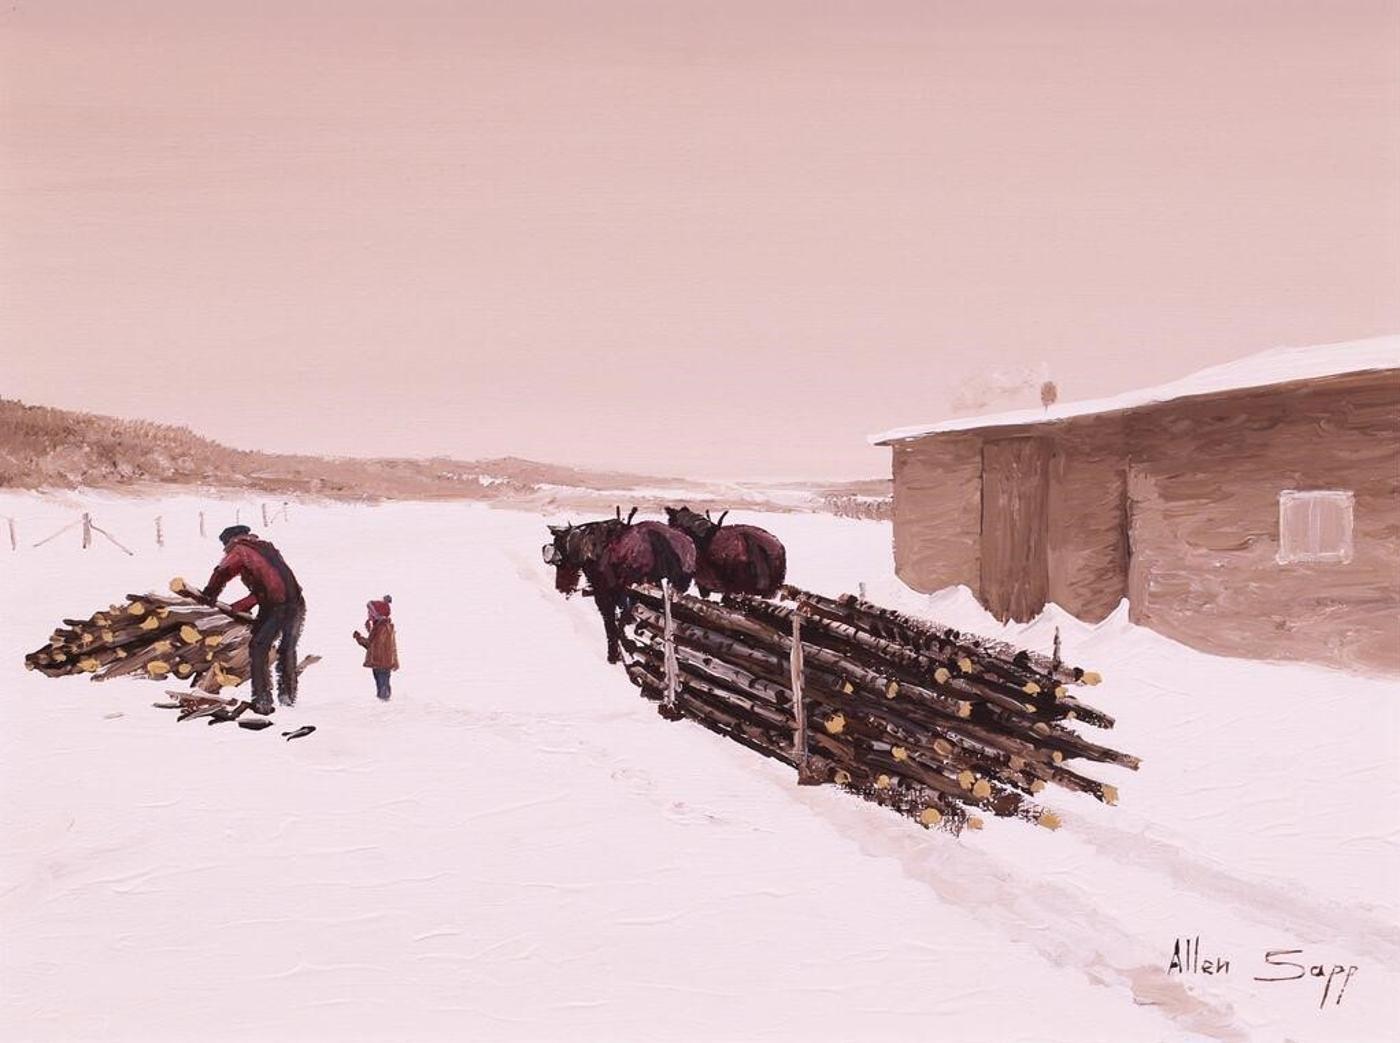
<point x="270" y="514"/>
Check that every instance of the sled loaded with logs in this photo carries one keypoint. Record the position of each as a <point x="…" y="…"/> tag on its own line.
<point x="940" y="725"/>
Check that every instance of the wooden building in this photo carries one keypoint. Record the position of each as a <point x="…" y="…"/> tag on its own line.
<point x="1252" y="509"/>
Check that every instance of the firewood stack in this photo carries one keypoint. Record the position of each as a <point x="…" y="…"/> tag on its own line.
<point x="153" y="636"/>
<point x="934" y="723"/>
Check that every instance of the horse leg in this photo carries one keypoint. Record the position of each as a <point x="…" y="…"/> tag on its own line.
<point x="607" y="608"/>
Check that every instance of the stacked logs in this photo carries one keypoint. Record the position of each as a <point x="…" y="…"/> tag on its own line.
<point x="934" y="723"/>
<point x="151" y="636"/>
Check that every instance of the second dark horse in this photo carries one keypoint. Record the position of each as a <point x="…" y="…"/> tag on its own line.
<point x="614" y="554"/>
<point x="738" y="559"/>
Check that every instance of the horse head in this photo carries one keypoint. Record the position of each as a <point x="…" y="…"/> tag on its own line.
<point x="697" y="526"/>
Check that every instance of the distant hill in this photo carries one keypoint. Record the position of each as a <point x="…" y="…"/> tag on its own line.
<point x="43" y="448"/>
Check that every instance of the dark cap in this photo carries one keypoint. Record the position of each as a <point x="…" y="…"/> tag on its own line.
<point x="232" y="532"/>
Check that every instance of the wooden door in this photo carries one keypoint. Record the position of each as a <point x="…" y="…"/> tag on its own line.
<point x="1015" y="570"/>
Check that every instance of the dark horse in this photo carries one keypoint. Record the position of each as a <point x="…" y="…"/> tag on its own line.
<point x="739" y="559"/>
<point x="614" y="554"/>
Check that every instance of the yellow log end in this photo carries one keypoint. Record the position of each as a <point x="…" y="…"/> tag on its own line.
<point x="1071" y="716"/>
<point x="150" y="623"/>
<point x="1049" y="820"/>
<point x="161" y="647"/>
<point x="899" y="753"/>
<point x="136" y="608"/>
<point x="842" y="777"/>
<point x="1057" y="757"/>
<point x="981" y="789"/>
<point x="213" y="640"/>
<point x="120" y="653"/>
<point x="965" y="665"/>
<point x="930" y="816"/>
<point x="1029" y="707"/>
<point x="964" y="709"/>
<point x="89" y="665"/>
<point x="184" y="669"/>
<point x="1092" y="677"/>
<point x="189" y="634"/>
<point x="178" y="584"/>
<point x="1031" y="688"/>
<point x="943" y="746"/>
<point x="157" y="668"/>
<point x="966" y="779"/>
<point x="1061" y="691"/>
<point x="59" y="657"/>
<point x="941" y="675"/>
<point x="973" y="822"/>
<point x="1037" y="785"/>
<point x="1041" y="728"/>
<point x="847" y="687"/>
<point x="891" y="689"/>
<point x="106" y="635"/>
<point x="1110" y="794"/>
<point x="1017" y="763"/>
<point x="836" y="724"/>
<point x="883" y="782"/>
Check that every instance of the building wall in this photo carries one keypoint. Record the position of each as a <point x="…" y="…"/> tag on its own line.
<point x="1087" y="518"/>
<point x="1203" y="490"/>
<point x="937" y="511"/>
<point x="1015" y="573"/>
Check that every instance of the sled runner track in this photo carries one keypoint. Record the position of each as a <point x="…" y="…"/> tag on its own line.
<point x="924" y="719"/>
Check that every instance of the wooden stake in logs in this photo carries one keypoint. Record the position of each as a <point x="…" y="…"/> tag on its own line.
<point x="919" y="718"/>
<point x="668" y="707"/>
<point x="806" y="776"/>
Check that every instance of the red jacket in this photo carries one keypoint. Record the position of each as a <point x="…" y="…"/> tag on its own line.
<point x="262" y="570"/>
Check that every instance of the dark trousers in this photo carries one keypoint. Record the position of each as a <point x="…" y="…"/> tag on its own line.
<point x="280" y="625"/>
<point x="381" y="682"/>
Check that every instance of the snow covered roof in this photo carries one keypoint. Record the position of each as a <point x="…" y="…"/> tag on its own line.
<point x="1279" y="366"/>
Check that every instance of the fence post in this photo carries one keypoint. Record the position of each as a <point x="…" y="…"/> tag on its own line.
<point x="286" y="511"/>
<point x="238" y="516"/>
<point x="266" y="522"/>
<point x="805" y="775"/>
<point x="201" y="524"/>
<point x="668" y="708"/>
<point x="1055" y="656"/>
<point x="160" y="535"/>
<point x="14" y="542"/>
<point x="87" y="530"/>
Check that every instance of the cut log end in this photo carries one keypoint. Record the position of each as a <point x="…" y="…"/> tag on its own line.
<point x="1110" y="794"/>
<point x="965" y="665"/>
<point x="930" y="817"/>
<point x="981" y="789"/>
<point x="899" y="753"/>
<point x="941" y="675"/>
<point x="1049" y="820"/>
<point x="835" y="724"/>
<point x="1092" y="677"/>
<point x="1031" y="688"/>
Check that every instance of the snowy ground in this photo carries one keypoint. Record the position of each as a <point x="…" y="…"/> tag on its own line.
<point x="519" y="848"/>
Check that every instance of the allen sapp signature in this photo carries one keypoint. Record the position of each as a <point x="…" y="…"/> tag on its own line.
<point x="1277" y="965"/>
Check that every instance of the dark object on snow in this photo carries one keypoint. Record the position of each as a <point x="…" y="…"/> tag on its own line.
<point x="615" y="554"/>
<point x="740" y="559"/>
<point x="302" y="732"/>
<point x="255" y="724"/>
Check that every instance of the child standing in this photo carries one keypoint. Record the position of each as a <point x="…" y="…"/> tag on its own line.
<point x="381" y="649"/>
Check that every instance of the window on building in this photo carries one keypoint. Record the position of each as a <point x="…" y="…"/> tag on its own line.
<point x="1314" y="526"/>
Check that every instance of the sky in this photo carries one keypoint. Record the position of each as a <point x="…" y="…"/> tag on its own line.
<point x="720" y="239"/>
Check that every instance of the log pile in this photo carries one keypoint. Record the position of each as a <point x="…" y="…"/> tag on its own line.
<point x="152" y="636"/>
<point x="939" y="725"/>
